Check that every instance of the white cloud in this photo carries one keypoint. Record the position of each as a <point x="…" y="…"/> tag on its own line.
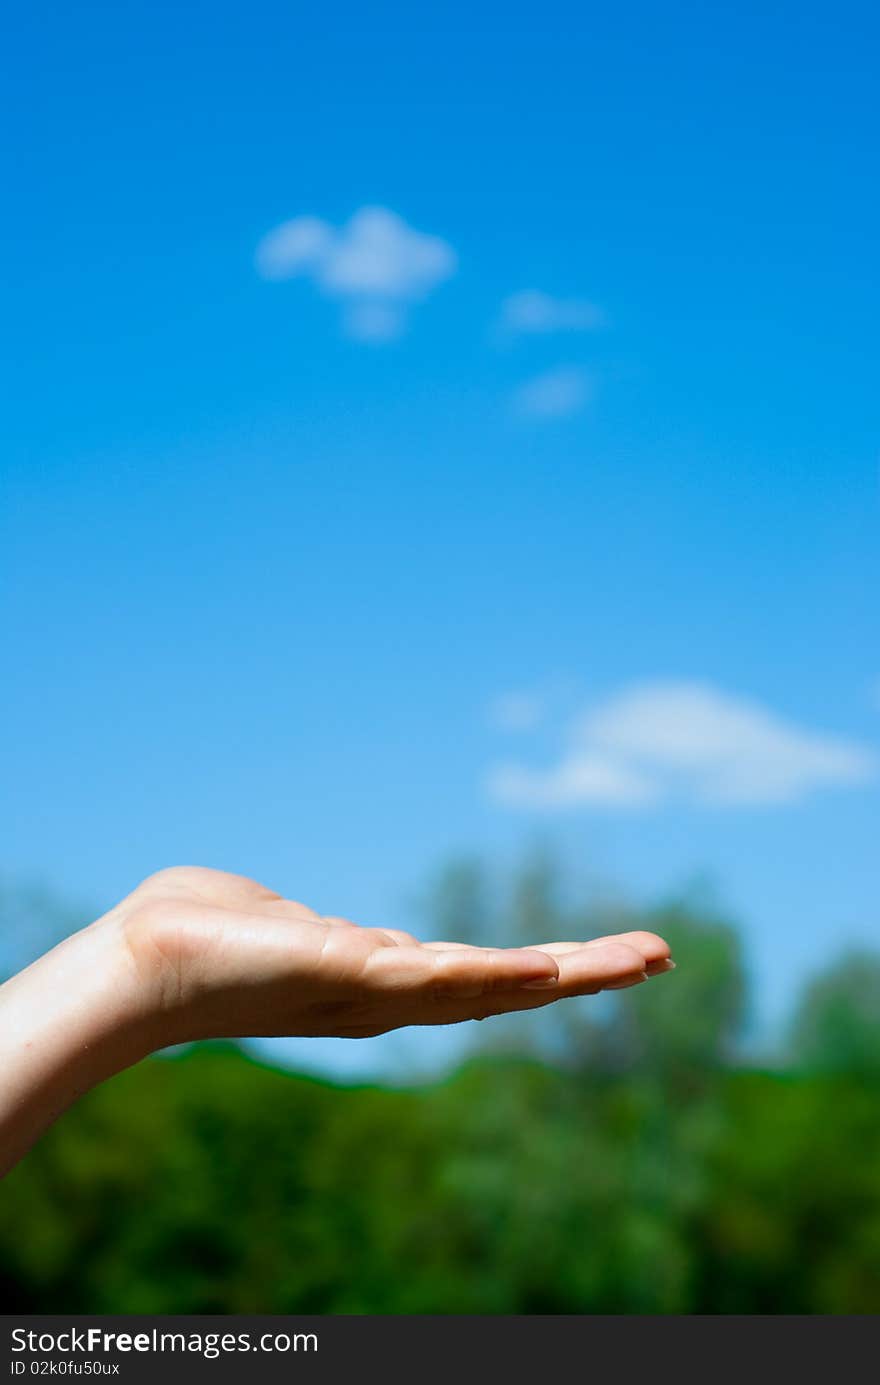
<point x="376" y="264"/>
<point x="296" y="247"/>
<point x="533" y="311"/>
<point x="555" y="394"/>
<point x="686" y="741"/>
<point x="378" y="254"/>
<point x="580" y="777"/>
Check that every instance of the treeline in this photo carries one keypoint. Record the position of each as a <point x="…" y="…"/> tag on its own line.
<point x="627" y="1161"/>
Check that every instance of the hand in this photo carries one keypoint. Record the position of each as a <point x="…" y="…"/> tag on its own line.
<point x="221" y="955"/>
<point x="198" y="954"/>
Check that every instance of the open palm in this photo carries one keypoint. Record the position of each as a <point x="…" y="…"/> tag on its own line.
<point x="224" y="956"/>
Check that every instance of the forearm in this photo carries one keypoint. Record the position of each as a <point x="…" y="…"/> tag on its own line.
<point x="72" y="1019"/>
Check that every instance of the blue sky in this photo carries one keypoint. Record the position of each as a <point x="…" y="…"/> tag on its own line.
<point x="523" y="483"/>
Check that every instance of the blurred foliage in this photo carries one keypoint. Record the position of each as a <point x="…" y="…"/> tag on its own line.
<point x="630" y="1162"/>
<point x="837" y="1026"/>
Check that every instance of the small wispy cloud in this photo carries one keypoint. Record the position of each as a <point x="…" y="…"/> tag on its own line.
<point x="534" y="312"/>
<point x="376" y="265"/>
<point x="661" y="741"/>
<point x="577" y="779"/>
<point x="555" y="393"/>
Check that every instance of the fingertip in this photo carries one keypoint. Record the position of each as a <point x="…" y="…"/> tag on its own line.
<point x="652" y="947"/>
<point x="596" y="968"/>
<point x="621" y="957"/>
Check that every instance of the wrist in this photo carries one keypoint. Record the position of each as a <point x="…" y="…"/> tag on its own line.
<point x="73" y="1018"/>
<point x="120" y="1006"/>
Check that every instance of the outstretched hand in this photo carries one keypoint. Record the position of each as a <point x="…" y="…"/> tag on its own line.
<point x="194" y="954"/>
<point x="222" y="955"/>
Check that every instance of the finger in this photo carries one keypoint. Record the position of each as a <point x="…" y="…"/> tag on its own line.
<point x="591" y="969"/>
<point x="584" y="972"/>
<point x="461" y="972"/>
<point x="457" y="1009"/>
<point x="583" y="969"/>
<point x="652" y="947"/>
<point x="587" y="972"/>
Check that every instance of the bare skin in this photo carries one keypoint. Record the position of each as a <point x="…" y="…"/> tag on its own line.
<point x="194" y="954"/>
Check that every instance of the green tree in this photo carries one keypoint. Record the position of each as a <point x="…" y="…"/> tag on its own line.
<point x="695" y="1023"/>
<point x="837" y="1024"/>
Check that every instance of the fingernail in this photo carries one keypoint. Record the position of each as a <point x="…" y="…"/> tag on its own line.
<point x="658" y="968"/>
<point x="630" y="981"/>
<point x="541" y="983"/>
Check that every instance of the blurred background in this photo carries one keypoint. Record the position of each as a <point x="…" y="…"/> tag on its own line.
<point x="440" y="481"/>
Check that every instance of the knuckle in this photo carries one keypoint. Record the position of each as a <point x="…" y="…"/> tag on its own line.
<point x="369" y="938"/>
<point x="449" y="980"/>
<point x="397" y="935"/>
